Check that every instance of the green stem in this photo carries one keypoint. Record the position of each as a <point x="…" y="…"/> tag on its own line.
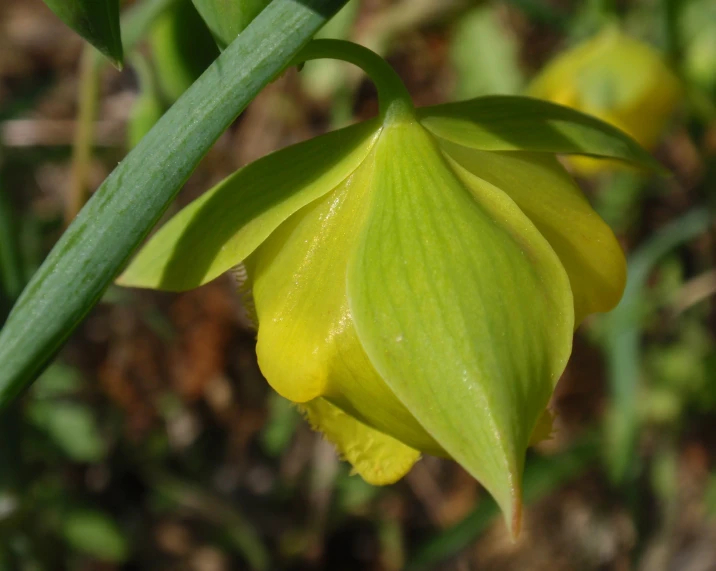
<point x="134" y="24"/>
<point x="393" y="97"/>
<point x="11" y="281"/>
<point x="84" y="134"/>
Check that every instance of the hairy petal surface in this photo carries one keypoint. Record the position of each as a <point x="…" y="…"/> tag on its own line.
<point x="546" y="193"/>
<point x="377" y="457"/>
<point x="462" y="306"/>
<point x="307" y="345"/>
<point x="504" y="123"/>
<point x="223" y="226"/>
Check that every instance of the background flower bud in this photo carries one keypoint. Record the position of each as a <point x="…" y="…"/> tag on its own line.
<point x="615" y="78"/>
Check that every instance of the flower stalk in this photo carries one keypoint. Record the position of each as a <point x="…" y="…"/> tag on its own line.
<point x="394" y="100"/>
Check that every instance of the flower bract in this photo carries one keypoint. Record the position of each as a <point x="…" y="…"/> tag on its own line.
<point x="417" y="278"/>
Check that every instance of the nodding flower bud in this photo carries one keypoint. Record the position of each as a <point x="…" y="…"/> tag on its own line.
<point x="416" y="278"/>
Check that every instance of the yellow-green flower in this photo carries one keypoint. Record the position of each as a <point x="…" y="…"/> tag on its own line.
<point x="417" y="278"/>
<point x="615" y="78"/>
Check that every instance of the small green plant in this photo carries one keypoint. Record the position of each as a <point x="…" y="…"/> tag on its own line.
<point x="415" y="279"/>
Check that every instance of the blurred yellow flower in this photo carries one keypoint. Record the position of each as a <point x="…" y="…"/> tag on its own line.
<point x="617" y="79"/>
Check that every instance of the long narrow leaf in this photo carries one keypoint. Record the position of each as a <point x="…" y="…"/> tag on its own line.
<point x="130" y="201"/>
<point x="622" y="341"/>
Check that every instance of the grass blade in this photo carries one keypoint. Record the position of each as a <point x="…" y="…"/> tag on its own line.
<point x="121" y="213"/>
<point x="622" y="341"/>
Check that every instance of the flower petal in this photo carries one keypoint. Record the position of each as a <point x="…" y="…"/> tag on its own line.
<point x="552" y="201"/>
<point x="377" y="457"/>
<point x="307" y="345"/>
<point x="223" y="226"/>
<point x="462" y="307"/>
<point x="504" y="123"/>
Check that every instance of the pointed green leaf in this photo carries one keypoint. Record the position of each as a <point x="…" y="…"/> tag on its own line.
<point x="462" y="307"/>
<point x="228" y="18"/>
<point x="223" y="226"/>
<point x="97" y="21"/>
<point x="505" y="123"/>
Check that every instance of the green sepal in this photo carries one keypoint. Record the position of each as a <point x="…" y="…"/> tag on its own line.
<point x="97" y="21"/>
<point x="506" y="123"/>
<point x="547" y="194"/>
<point x="226" y="224"/>
<point x="227" y="18"/>
<point x="462" y="307"/>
